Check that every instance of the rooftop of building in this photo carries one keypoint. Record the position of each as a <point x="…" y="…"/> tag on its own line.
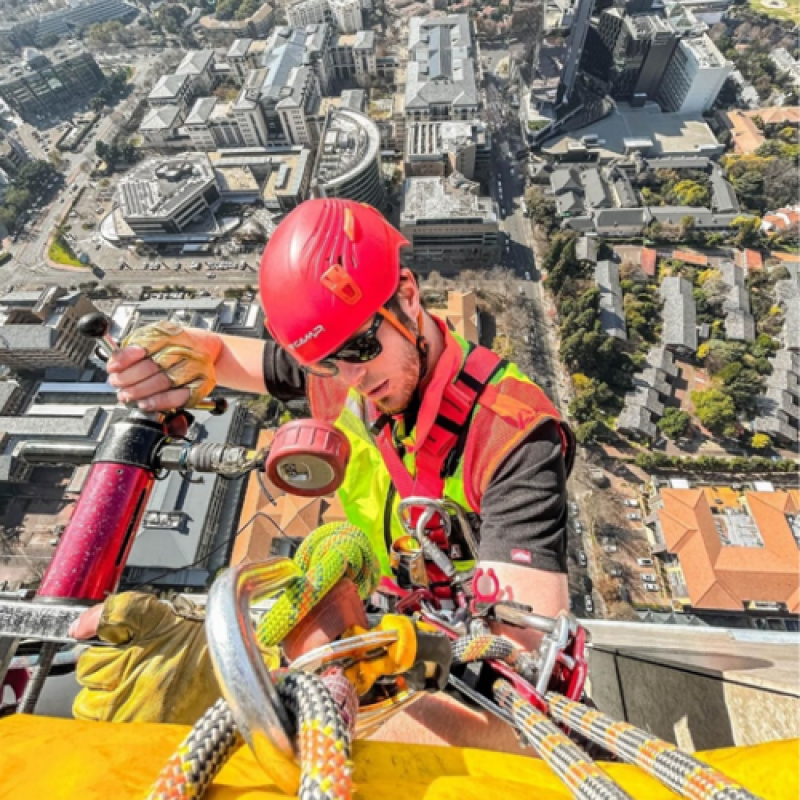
<point x="443" y="199"/>
<point x="195" y="62"/>
<point x="461" y="314"/>
<point x="159" y="185"/>
<point x="34" y="59"/>
<point x="440" y="68"/>
<point x="201" y="111"/>
<point x="236" y="179"/>
<point x="289" y="515"/>
<point x="667" y="134"/>
<point x="288" y="178"/>
<point x="288" y="50"/>
<point x="705" y="52"/>
<point x="349" y="141"/>
<point x="732" y="554"/>
<point x="168" y="86"/>
<point x="161" y="118"/>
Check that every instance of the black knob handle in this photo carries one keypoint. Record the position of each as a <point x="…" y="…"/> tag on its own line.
<point x="98" y="326"/>
<point x="95" y="325"/>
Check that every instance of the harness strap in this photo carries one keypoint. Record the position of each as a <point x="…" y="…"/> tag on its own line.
<point x="439" y="454"/>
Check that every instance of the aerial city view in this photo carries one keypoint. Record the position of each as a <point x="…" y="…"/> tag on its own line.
<point x="457" y="341"/>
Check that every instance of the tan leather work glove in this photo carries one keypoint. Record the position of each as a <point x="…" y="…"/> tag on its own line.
<point x="185" y="356"/>
<point x="158" y="669"/>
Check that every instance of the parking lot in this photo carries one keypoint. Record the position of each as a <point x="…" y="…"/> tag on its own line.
<point x="611" y="561"/>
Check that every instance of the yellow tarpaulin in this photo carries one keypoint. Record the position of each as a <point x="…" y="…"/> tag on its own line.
<point x="54" y="759"/>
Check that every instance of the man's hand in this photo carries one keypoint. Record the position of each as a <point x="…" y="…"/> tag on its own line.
<point x="165" y="366"/>
<point x="157" y="668"/>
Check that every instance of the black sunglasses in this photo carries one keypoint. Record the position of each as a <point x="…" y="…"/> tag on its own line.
<point x="360" y="349"/>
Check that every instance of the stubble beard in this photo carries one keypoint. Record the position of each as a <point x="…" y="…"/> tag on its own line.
<point x="409" y="368"/>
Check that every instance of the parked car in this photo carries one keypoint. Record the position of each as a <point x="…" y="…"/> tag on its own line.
<point x="634" y="516"/>
<point x="644" y="562"/>
<point x="581" y="556"/>
<point x="610" y="548"/>
<point x="588" y="604"/>
<point x="631" y="504"/>
<point x="527" y="276"/>
<point x="615" y="571"/>
<point x="573" y="508"/>
<point x="652" y="587"/>
<point x="649" y="577"/>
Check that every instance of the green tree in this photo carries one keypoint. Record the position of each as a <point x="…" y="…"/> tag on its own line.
<point x="541" y="207"/>
<point x="716" y="410"/>
<point x="760" y="441"/>
<point x="748" y="231"/>
<point x="675" y="423"/>
<point x="691" y="193"/>
<point x="593" y="430"/>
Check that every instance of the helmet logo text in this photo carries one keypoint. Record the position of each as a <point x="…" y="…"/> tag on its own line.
<point x="312" y="334"/>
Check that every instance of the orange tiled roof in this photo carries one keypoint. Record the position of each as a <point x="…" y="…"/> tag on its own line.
<point x="295" y="516"/>
<point x="698" y="259"/>
<point x="776" y="115"/>
<point x="783" y="218"/>
<point x="725" y="577"/>
<point x="649" y="261"/>
<point x="751" y="260"/>
<point x="461" y="314"/>
<point x="745" y="136"/>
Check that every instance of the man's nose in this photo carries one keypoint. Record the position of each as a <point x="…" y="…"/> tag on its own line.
<point x="351" y="374"/>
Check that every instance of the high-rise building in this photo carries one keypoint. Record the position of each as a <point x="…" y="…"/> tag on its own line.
<point x="694" y="77"/>
<point x="353" y="57"/>
<point x="349" y="159"/>
<point x="640" y="49"/>
<point x="46" y="82"/>
<point x="575" y="43"/>
<point x="344" y="14"/>
<point x="39" y="330"/>
<point x="347" y="15"/>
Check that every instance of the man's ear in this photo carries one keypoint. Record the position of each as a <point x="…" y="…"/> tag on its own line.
<point x="408" y="294"/>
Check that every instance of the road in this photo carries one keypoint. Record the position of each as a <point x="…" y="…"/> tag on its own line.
<point x="30" y="251"/>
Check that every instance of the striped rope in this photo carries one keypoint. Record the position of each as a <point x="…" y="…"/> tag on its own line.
<point x="482" y="648"/>
<point x="199" y="757"/>
<point x="584" y="779"/>
<point x="324" y="717"/>
<point x="677" y="770"/>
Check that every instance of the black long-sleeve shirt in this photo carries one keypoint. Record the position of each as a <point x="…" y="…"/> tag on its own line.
<point x="524" y="507"/>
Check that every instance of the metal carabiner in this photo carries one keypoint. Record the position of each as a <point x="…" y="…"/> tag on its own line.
<point x="244" y="681"/>
<point x="357" y="648"/>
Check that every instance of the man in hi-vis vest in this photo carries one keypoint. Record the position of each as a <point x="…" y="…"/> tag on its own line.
<point x="426" y="413"/>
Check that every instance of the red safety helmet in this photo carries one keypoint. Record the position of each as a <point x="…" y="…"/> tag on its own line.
<point x="329" y="266"/>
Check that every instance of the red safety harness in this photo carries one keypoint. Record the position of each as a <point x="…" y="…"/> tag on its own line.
<point x="437" y="456"/>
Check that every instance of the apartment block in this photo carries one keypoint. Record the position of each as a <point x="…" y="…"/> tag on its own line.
<point x="694" y="77"/>
<point x="440" y="148"/>
<point x="449" y="225"/>
<point x="39" y="330"/>
<point x="46" y="82"/>
<point x="440" y="75"/>
<point x="346" y="15"/>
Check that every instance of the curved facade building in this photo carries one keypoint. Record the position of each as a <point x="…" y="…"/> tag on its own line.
<point x="349" y="159"/>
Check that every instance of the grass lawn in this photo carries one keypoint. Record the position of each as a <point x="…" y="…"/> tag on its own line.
<point x="790" y="9"/>
<point x="61" y="253"/>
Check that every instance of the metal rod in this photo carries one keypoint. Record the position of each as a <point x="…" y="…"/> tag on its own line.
<point x="27" y="705"/>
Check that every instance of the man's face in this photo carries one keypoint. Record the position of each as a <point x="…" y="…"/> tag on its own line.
<point x="390" y="379"/>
